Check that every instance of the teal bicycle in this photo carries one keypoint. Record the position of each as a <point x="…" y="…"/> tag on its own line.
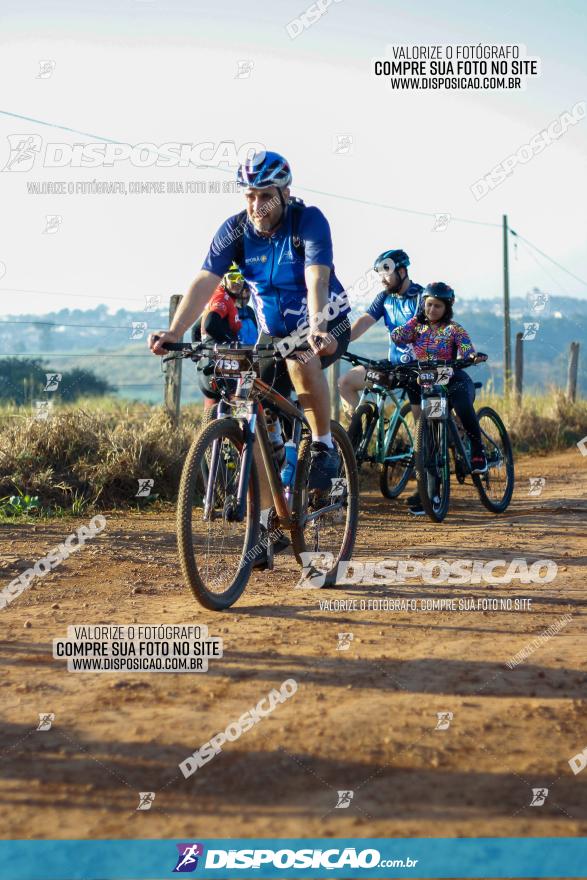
<point x="386" y="440"/>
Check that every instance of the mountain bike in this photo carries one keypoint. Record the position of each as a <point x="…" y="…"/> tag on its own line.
<point x="219" y="509"/>
<point x="439" y="437"/>
<point x="377" y="438"/>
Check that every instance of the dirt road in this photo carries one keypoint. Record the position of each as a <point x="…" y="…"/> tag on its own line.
<point x="364" y="719"/>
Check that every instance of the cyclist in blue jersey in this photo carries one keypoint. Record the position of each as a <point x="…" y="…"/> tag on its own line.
<point x="399" y="301"/>
<point x="284" y="250"/>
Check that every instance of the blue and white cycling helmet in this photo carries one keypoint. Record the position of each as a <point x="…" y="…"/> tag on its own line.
<point x="388" y="261"/>
<point x="263" y="170"/>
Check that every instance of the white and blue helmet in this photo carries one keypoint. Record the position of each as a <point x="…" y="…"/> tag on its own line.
<point x="263" y="170"/>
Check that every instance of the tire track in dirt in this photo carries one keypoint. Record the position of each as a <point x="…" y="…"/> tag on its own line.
<point x="363" y="719"/>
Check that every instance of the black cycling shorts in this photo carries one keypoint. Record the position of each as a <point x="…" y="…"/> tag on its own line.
<point x="275" y="373"/>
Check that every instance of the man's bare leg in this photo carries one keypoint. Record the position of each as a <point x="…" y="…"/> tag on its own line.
<point x="311" y="385"/>
<point x="351" y="384"/>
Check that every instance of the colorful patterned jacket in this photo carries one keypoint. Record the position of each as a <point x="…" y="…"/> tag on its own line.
<point x="444" y="343"/>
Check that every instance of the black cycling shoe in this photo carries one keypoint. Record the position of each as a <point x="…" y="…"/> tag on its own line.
<point x="261" y="558"/>
<point x="416" y="508"/>
<point x="324" y="466"/>
<point x="479" y="464"/>
<point x="413" y="500"/>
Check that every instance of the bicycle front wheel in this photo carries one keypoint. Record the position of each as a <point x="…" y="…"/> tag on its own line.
<point x="325" y="522"/>
<point x="398" y="462"/>
<point x="496" y="486"/>
<point x="432" y="467"/>
<point x="216" y="551"/>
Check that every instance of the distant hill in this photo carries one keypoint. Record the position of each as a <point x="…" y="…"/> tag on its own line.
<point x="97" y="340"/>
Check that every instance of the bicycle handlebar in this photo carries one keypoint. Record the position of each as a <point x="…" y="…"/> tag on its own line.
<point x="203" y="349"/>
<point x="458" y="364"/>
<point x="359" y="361"/>
<point x="388" y="367"/>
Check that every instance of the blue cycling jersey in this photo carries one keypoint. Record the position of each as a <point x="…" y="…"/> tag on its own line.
<point x="397" y="311"/>
<point x="274" y="268"/>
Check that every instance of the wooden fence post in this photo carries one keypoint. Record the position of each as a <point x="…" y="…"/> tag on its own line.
<point x="572" y="372"/>
<point x="173" y="372"/>
<point x="519" y="368"/>
<point x="334" y="392"/>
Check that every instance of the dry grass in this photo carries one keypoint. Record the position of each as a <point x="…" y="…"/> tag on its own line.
<point x="543" y="423"/>
<point x="92" y="453"/>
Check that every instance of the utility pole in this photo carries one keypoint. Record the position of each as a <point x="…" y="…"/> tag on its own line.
<point x="507" y="351"/>
<point x="172" y="395"/>
<point x="519" y="368"/>
<point x="572" y="372"/>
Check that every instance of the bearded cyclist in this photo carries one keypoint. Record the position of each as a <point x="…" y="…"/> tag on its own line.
<point x="284" y="250"/>
<point x="398" y="302"/>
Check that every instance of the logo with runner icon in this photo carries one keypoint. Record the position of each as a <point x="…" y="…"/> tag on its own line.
<point x="187" y="859"/>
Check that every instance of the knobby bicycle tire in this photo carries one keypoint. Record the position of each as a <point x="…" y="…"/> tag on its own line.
<point x="192" y="469"/>
<point x="436" y="511"/>
<point x="384" y="484"/>
<point x="299" y="543"/>
<point x="481" y="480"/>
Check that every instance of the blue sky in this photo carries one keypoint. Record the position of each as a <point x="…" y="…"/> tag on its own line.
<point x="154" y="71"/>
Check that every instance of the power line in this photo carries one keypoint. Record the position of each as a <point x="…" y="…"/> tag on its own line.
<point x="60" y="324"/>
<point x="76" y="295"/>
<point x="396" y="207"/>
<point x="311" y="190"/>
<point x="543" y="268"/>
<point x="560" y="266"/>
<point x="63" y="127"/>
<point x="226" y="170"/>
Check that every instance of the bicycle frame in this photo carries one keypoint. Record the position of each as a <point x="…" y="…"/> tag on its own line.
<point x="457" y="443"/>
<point x="455" y="440"/>
<point x="382" y="395"/>
<point x="250" y="391"/>
<point x="254" y="425"/>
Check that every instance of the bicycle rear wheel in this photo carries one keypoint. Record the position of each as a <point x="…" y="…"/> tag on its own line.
<point x="496" y="486"/>
<point x="216" y="552"/>
<point x="432" y="467"/>
<point x="395" y="474"/>
<point x="325" y="522"/>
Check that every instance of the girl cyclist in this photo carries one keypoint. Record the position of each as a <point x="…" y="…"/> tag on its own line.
<point x="226" y="318"/>
<point x="433" y="335"/>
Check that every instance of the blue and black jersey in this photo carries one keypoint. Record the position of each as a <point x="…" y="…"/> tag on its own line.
<point x="274" y="266"/>
<point x="396" y="311"/>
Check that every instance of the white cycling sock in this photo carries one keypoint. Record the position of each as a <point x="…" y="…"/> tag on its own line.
<point x="323" y="438"/>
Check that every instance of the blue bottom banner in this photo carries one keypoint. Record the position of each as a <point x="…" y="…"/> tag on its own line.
<point x="299" y="857"/>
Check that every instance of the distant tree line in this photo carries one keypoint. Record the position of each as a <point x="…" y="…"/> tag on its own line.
<point x="23" y="380"/>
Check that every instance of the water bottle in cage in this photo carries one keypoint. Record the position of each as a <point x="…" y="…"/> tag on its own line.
<point x="276" y="437"/>
<point x="291" y="459"/>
